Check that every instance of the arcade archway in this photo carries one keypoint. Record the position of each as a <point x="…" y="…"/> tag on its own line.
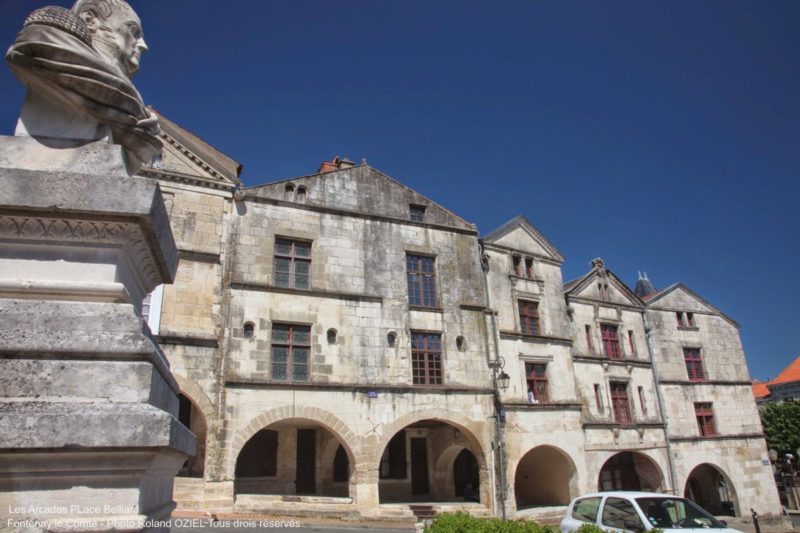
<point x="711" y="489"/>
<point x="544" y="477"/>
<point x="630" y="471"/>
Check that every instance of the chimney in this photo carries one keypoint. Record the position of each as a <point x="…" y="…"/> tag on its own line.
<point x="336" y="163"/>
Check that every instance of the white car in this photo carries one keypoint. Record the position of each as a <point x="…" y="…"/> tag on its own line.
<point x="638" y="512"/>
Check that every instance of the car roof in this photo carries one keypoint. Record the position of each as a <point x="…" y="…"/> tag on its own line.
<point x="627" y="494"/>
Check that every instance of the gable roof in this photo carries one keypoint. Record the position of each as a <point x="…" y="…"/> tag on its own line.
<point x="575" y="286"/>
<point x="521" y="222"/>
<point x="367" y="191"/>
<point x="760" y="389"/>
<point x="653" y="300"/>
<point x="209" y="162"/>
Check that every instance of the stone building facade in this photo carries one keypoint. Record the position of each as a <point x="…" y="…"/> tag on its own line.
<point x="342" y="344"/>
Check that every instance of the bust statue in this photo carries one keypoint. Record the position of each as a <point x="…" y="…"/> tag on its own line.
<point x="77" y="65"/>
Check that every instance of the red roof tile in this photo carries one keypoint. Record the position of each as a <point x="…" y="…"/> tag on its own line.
<point x="760" y="390"/>
<point x="790" y="373"/>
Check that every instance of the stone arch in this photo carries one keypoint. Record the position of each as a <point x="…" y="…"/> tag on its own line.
<point x="458" y="421"/>
<point x="630" y="470"/>
<point x="192" y="390"/>
<point x="710" y="487"/>
<point x="556" y="476"/>
<point x="203" y="432"/>
<point x="324" y="418"/>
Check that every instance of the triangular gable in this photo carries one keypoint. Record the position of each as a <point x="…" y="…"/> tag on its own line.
<point x="587" y="286"/>
<point x="789" y="374"/>
<point x="186" y="156"/>
<point x="520" y="234"/>
<point x="362" y="189"/>
<point x="679" y="297"/>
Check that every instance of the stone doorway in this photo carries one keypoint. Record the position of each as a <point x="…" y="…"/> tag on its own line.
<point x="711" y="489"/>
<point x="545" y="477"/>
<point x="630" y="471"/>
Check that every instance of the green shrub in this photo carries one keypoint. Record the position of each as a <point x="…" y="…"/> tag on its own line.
<point x="462" y="522"/>
<point x="590" y="528"/>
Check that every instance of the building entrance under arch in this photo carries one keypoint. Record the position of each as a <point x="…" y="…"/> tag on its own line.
<point x="293" y="458"/>
<point x="711" y="489"/>
<point x="545" y="477"/>
<point x="430" y="461"/>
<point x="191" y="417"/>
<point x="630" y="471"/>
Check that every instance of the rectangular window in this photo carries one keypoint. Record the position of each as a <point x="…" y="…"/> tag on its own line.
<point x="694" y="364"/>
<point x="690" y="320"/>
<point x="641" y="400"/>
<point x="536" y="376"/>
<point x="598" y="397"/>
<point x="610" y="341"/>
<point x="681" y="320"/>
<point x="529" y="267"/>
<point x="292" y="263"/>
<point x="589" y="337"/>
<point x="421" y="276"/>
<point x="620" y="403"/>
<point x="517" y="264"/>
<point x="528" y="317"/>
<point x="426" y="358"/>
<point x="631" y="341"/>
<point x="416" y="212"/>
<point x="393" y="460"/>
<point x="705" y="419"/>
<point x="291" y="349"/>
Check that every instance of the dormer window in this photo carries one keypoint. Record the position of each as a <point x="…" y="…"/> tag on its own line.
<point x="685" y="320"/>
<point x="288" y="193"/>
<point x="301" y="195"/>
<point x="416" y="213"/>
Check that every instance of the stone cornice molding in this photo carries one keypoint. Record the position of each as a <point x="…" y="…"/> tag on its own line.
<point x="494" y="247"/>
<point x="264" y="287"/>
<point x="124" y="235"/>
<point x="539" y="339"/>
<point x="605" y="303"/>
<point x="734" y="382"/>
<point x="698" y="438"/>
<point x="241" y="382"/>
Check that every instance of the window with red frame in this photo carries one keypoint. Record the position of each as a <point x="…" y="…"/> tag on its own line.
<point x="421" y="276"/>
<point x="528" y="317"/>
<point x="536" y="376"/>
<point x="705" y="419"/>
<point x="620" y="403"/>
<point x="426" y="358"/>
<point x="694" y="364"/>
<point x="631" y="341"/>
<point x="610" y="341"/>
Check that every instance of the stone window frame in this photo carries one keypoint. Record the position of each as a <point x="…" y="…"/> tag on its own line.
<point x="421" y="279"/>
<point x="427" y="360"/>
<point x="686" y="320"/>
<point x="704" y="414"/>
<point x="291" y="366"/>
<point x="522" y="266"/>
<point x="609" y="342"/>
<point x="416" y="212"/>
<point x="539" y="384"/>
<point x="294" y="260"/>
<point x="248" y="330"/>
<point x="693" y="361"/>
<point x="620" y="403"/>
<point x="530" y="321"/>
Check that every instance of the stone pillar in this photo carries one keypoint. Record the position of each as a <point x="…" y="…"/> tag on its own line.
<point x="89" y="436"/>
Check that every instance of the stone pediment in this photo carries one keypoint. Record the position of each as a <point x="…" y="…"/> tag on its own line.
<point x="521" y="235"/>
<point x="187" y="158"/>
<point x="362" y="189"/>
<point x="602" y="285"/>
<point x="678" y="297"/>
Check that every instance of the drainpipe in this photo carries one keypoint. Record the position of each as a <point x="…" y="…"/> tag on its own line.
<point x="649" y="335"/>
<point x="500" y="452"/>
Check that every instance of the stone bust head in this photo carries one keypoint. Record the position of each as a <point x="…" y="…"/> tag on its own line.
<point x="77" y="65"/>
<point x="116" y="31"/>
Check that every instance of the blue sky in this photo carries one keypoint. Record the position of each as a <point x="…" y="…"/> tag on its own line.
<point x="662" y="137"/>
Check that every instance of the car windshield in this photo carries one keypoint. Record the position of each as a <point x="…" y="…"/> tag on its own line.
<point x="671" y="513"/>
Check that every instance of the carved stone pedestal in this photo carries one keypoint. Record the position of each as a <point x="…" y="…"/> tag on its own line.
<point x="89" y="436"/>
